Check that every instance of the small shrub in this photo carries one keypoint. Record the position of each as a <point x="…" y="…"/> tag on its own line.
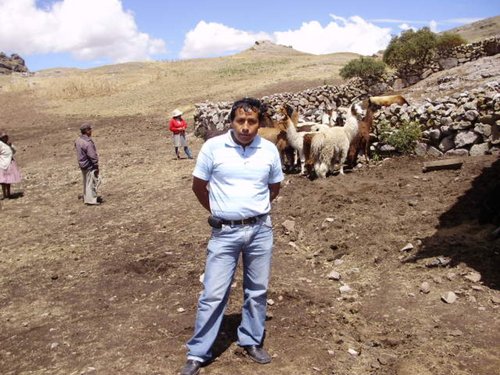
<point x="448" y="41"/>
<point x="364" y="67"/>
<point x="404" y="138"/>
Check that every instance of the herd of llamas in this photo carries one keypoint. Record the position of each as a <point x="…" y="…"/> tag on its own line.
<point x="317" y="148"/>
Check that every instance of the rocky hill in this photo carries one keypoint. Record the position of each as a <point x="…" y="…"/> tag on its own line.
<point x="14" y="63"/>
<point x="479" y="30"/>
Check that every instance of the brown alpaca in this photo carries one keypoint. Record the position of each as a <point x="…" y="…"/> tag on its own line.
<point x="309" y="163"/>
<point x="362" y="140"/>
<point x="387" y="100"/>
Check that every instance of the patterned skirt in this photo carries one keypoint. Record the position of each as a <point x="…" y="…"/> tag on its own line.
<point x="11" y="175"/>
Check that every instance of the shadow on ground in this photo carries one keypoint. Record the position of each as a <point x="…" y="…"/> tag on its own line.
<point x="465" y="231"/>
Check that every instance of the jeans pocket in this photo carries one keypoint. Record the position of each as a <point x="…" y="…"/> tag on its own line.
<point x="266" y="221"/>
<point x="216" y="232"/>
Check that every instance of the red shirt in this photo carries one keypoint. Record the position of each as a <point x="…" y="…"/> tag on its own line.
<point x="177" y="126"/>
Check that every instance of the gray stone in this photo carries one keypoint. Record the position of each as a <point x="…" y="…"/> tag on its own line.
<point x="473" y="276"/>
<point x="407" y="247"/>
<point x="398" y="84"/>
<point x="446" y="121"/>
<point x="470" y="106"/>
<point x="334" y="275"/>
<point x="479" y="149"/>
<point x="289" y="226"/>
<point x="483" y="129"/>
<point x="420" y="149"/>
<point x="449" y="297"/>
<point x="387" y="148"/>
<point x="457" y="152"/>
<point x="465" y="138"/>
<point x="433" y="151"/>
<point x="471" y="115"/>
<point x="446" y="130"/>
<point x="447" y="143"/>
<point x="345" y="289"/>
<point x="462" y="125"/>
<point x="435" y="135"/>
<point x="425" y="287"/>
<point x="448" y="63"/>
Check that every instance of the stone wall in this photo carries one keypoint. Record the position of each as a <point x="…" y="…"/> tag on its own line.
<point x="456" y="56"/>
<point x="311" y="104"/>
<point x="466" y="123"/>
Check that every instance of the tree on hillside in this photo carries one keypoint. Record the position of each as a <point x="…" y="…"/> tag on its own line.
<point x="448" y="41"/>
<point x="410" y="52"/>
<point x="364" y="68"/>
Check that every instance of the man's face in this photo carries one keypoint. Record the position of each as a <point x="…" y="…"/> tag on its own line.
<point x="245" y="125"/>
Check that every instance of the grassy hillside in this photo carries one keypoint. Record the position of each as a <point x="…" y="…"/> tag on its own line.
<point x="157" y="87"/>
<point x="152" y="88"/>
<point x="476" y="31"/>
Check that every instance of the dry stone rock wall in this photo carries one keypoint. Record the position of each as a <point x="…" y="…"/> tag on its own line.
<point x="311" y="104"/>
<point x="465" y="123"/>
<point x="449" y="59"/>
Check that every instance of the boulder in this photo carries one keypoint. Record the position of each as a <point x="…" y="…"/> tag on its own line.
<point x="14" y="63"/>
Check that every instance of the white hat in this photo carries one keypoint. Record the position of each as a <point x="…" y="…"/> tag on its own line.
<point x="176" y="113"/>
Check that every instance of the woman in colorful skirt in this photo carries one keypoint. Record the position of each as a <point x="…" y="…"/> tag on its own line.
<point x="9" y="171"/>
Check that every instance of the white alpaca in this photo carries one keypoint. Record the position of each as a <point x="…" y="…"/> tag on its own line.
<point x="296" y="138"/>
<point x="332" y="144"/>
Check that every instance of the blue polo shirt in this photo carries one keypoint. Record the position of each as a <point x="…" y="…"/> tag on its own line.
<point x="238" y="177"/>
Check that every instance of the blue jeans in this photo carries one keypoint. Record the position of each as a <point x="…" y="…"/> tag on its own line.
<point x="255" y="243"/>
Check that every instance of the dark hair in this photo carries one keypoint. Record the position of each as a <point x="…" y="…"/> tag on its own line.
<point x="248" y="104"/>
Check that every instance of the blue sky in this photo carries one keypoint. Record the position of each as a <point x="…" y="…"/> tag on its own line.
<point x="89" y="33"/>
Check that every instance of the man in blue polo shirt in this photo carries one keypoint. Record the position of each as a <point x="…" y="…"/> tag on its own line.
<point x="236" y="177"/>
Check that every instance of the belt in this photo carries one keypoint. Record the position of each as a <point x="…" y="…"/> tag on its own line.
<point x="249" y="220"/>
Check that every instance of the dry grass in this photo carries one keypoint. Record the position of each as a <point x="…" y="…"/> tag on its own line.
<point x="479" y="30"/>
<point x="153" y="88"/>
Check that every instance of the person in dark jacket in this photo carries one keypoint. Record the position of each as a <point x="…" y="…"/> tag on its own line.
<point x="88" y="161"/>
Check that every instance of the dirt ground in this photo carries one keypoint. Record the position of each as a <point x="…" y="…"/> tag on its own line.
<point x="113" y="289"/>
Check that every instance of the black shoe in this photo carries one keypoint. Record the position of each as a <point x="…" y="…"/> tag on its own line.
<point x="191" y="367"/>
<point x="257" y="354"/>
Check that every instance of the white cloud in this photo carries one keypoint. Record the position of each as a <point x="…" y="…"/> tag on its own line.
<point x="215" y="39"/>
<point x="340" y="35"/>
<point x="395" y="20"/>
<point x="433" y="26"/>
<point x="347" y="35"/>
<point x="405" y="26"/>
<point x="462" y="20"/>
<point x="87" y="29"/>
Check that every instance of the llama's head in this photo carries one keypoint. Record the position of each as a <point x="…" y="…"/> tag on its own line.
<point x="287" y="112"/>
<point x="357" y="110"/>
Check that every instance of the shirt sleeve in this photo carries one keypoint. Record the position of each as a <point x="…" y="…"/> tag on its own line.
<point x="204" y="163"/>
<point x="92" y="154"/>
<point x="276" y="173"/>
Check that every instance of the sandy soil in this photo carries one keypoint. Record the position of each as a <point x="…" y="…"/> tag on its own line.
<point x="113" y="289"/>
